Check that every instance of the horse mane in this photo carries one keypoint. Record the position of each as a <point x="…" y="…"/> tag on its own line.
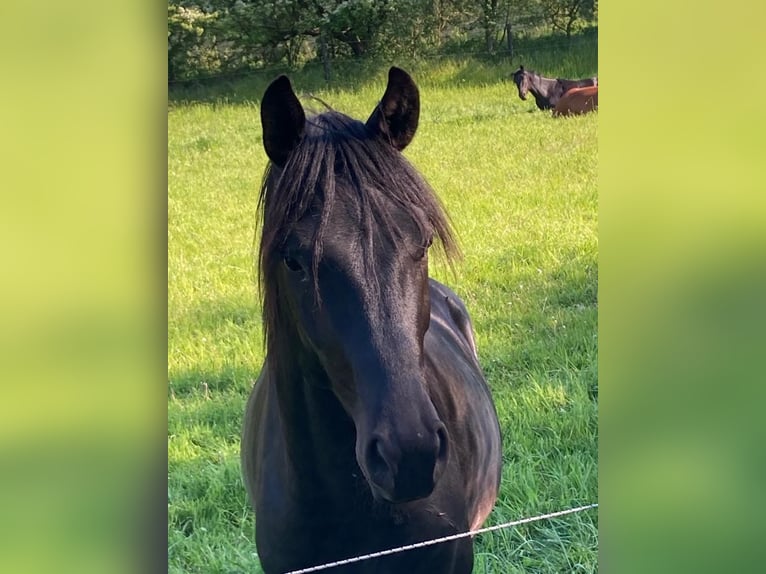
<point x="522" y="70"/>
<point x="339" y="160"/>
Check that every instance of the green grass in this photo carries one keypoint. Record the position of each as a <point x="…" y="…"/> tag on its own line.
<point x="521" y="189"/>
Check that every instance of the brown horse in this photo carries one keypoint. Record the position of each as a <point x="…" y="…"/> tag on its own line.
<point x="577" y="101"/>
<point x="546" y="91"/>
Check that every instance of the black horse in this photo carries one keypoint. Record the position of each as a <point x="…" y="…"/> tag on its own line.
<point x="547" y="91"/>
<point x="371" y="425"/>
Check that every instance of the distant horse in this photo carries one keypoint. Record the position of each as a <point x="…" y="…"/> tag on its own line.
<point x="577" y="101"/>
<point x="371" y="425"/>
<point x="547" y="91"/>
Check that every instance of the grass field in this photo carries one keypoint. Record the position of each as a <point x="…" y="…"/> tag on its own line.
<point x="521" y="189"/>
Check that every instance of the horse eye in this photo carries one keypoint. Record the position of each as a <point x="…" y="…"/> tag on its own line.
<point x="422" y="252"/>
<point x="292" y="263"/>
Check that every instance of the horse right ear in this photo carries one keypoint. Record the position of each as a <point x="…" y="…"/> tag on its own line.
<point x="282" y="119"/>
<point x="396" y="116"/>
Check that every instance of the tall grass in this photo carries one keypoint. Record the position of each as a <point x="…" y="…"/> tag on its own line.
<point x="520" y="187"/>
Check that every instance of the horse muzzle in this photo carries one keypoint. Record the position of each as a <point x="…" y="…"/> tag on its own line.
<point x="406" y="469"/>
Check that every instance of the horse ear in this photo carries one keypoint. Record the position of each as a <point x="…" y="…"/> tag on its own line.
<point x="283" y="120"/>
<point x="396" y="116"/>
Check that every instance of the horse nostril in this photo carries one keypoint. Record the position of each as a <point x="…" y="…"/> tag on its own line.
<point x="376" y="461"/>
<point x="442" y="442"/>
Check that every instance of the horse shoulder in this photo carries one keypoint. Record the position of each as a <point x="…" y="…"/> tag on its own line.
<point x="543" y="103"/>
<point x="449" y="309"/>
<point x="464" y="398"/>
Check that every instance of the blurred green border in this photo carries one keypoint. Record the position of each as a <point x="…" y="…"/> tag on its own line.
<point x="82" y="300"/>
<point x="682" y="283"/>
<point x="681" y="286"/>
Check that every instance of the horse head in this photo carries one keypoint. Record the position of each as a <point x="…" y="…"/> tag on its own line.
<point x="521" y="79"/>
<point x="347" y="224"/>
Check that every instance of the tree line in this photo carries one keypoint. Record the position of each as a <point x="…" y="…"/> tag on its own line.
<point x="212" y="37"/>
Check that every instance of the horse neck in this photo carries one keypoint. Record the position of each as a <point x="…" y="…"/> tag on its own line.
<point x="317" y="430"/>
<point x="541" y="88"/>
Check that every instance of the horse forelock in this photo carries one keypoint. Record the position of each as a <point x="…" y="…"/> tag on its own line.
<point x="338" y="160"/>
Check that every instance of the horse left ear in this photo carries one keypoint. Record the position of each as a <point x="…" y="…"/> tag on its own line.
<point x="396" y="116"/>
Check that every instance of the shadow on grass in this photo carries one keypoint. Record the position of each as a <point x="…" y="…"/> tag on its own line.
<point x="241" y="312"/>
<point x="248" y="87"/>
<point x="207" y="506"/>
<point x="548" y="323"/>
<point x="201" y="382"/>
<point x="222" y="344"/>
<point x="208" y="512"/>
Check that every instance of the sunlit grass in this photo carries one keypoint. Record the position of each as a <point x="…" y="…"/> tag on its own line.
<point x="521" y="190"/>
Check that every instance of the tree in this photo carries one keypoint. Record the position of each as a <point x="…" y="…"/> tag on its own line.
<point x="208" y="37"/>
<point x="490" y="21"/>
<point x="357" y="23"/>
<point x="567" y="16"/>
<point x="191" y="45"/>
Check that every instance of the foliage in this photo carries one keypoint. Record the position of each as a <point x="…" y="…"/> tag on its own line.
<point x="208" y="37"/>
<point x="189" y="46"/>
<point x="568" y="16"/>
